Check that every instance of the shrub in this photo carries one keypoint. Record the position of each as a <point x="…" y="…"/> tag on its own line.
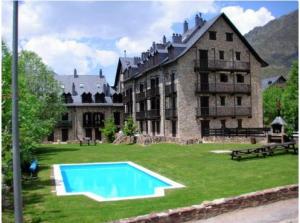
<point x="130" y="127"/>
<point x="109" y="130"/>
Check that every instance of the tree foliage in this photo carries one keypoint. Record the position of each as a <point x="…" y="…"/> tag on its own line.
<point x="40" y="106"/>
<point x="130" y="127"/>
<point x="109" y="130"/>
<point x="290" y="99"/>
<point x="271" y="97"/>
<point x="287" y="98"/>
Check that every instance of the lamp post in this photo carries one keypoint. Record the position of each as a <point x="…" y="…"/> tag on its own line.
<point x="15" y="122"/>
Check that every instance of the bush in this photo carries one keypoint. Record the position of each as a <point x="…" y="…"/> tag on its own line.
<point x="130" y="127"/>
<point x="109" y="130"/>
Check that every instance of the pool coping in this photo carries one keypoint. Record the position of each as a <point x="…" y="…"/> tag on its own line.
<point x="159" y="192"/>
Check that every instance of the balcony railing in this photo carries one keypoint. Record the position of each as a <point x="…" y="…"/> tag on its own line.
<point x="170" y="89"/>
<point x="141" y="115"/>
<point x="152" y="92"/>
<point x="231" y="132"/>
<point x="171" y="113"/>
<point x="140" y="96"/>
<point x="223" y="111"/>
<point x="223" y="88"/>
<point x="126" y="98"/>
<point x="222" y="65"/>
<point x="64" y="124"/>
<point x="153" y="113"/>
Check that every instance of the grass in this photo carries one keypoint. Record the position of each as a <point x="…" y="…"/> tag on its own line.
<point x="206" y="176"/>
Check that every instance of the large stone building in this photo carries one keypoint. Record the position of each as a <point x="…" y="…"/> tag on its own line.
<point x="89" y="100"/>
<point x="206" y="77"/>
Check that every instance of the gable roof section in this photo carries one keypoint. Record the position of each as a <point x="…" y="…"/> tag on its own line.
<point x="265" y="83"/>
<point x="191" y="41"/>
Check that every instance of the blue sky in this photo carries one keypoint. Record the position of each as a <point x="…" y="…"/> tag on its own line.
<point x="92" y="35"/>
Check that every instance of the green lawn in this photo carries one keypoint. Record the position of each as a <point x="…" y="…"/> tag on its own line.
<point x="206" y="176"/>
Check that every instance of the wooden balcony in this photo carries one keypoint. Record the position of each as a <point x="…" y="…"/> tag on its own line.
<point x="171" y="113"/>
<point x="141" y="115"/>
<point x="223" y="111"/>
<point x="140" y="96"/>
<point x="212" y="65"/>
<point x="223" y="88"/>
<point x="153" y="92"/>
<point x="64" y="124"/>
<point x="153" y="114"/>
<point x="170" y="89"/>
<point x="127" y="98"/>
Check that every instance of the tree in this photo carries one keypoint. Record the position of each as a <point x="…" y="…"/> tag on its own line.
<point x="109" y="130"/>
<point x="290" y="100"/>
<point x="130" y="127"/>
<point x="271" y="97"/>
<point x="40" y="105"/>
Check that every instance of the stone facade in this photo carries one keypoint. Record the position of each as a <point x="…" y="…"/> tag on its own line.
<point x="195" y="91"/>
<point x="89" y="100"/>
<point x="216" y="207"/>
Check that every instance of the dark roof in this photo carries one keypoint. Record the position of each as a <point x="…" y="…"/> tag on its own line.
<point x="203" y="29"/>
<point x="85" y="84"/>
<point x="278" y="121"/>
<point x="265" y="83"/>
<point x="189" y="40"/>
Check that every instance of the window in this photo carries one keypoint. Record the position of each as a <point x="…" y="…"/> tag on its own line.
<point x="229" y="37"/>
<point x="158" y="127"/>
<point x="223" y="78"/>
<point x="65" y="117"/>
<point x="81" y="85"/>
<point x="212" y="35"/>
<point x="239" y="101"/>
<point x="222" y="100"/>
<point x="62" y="86"/>
<point x="86" y="98"/>
<point x="221" y="55"/>
<point x="100" y="97"/>
<point x="117" y="118"/>
<point x="141" y="126"/>
<point x="223" y="124"/>
<point x="238" y="55"/>
<point x="239" y="78"/>
<point x="239" y="121"/>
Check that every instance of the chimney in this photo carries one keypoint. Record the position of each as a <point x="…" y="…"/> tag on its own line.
<point x="177" y="38"/>
<point x="73" y="90"/>
<point x="107" y="93"/>
<point x="164" y="39"/>
<point x="185" y="26"/>
<point x="75" y="73"/>
<point x="197" y="20"/>
<point x="100" y="74"/>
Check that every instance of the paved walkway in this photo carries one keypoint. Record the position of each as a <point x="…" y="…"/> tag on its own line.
<point x="279" y="212"/>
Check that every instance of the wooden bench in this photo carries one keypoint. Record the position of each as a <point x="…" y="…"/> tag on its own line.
<point x="263" y="151"/>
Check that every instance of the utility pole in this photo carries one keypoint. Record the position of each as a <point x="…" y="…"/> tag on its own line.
<point x="15" y="121"/>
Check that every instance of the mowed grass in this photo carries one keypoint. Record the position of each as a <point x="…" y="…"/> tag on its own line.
<point x="206" y="175"/>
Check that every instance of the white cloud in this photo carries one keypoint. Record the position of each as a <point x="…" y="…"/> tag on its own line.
<point x="166" y="14"/>
<point x="65" y="55"/>
<point x="247" y="19"/>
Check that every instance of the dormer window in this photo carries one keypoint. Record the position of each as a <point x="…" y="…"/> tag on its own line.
<point x="100" y="98"/>
<point x="212" y="35"/>
<point x="98" y="85"/>
<point x="86" y="98"/>
<point x="81" y="85"/>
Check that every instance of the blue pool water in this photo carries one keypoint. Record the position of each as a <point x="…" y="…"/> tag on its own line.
<point x="119" y="180"/>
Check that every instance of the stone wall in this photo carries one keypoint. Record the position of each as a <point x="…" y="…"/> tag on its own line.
<point x="223" y="139"/>
<point x="218" y="206"/>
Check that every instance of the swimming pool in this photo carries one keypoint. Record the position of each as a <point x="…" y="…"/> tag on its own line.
<point x="110" y="181"/>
